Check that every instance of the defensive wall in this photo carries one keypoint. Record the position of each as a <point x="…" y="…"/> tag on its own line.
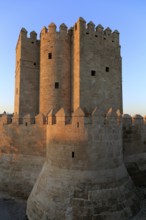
<point x="134" y="147"/>
<point x="23" y="144"/>
<point x="22" y="154"/>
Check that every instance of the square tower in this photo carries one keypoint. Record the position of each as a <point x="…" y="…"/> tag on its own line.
<point x="96" y="72"/>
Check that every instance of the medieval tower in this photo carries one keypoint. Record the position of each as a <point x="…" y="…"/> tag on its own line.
<point x="70" y="81"/>
<point x="68" y="68"/>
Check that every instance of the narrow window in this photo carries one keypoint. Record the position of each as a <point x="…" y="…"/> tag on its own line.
<point x="34" y="64"/>
<point x="32" y="42"/>
<point x="49" y="55"/>
<point x="25" y="123"/>
<point x="56" y="85"/>
<point x="107" y="69"/>
<point x="73" y="154"/>
<point x="78" y="124"/>
<point x="93" y="73"/>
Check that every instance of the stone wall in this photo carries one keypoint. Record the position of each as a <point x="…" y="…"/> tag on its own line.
<point x="27" y="74"/>
<point x="22" y="153"/>
<point x="84" y="176"/>
<point x="134" y="146"/>
<point x="55" y="76"/>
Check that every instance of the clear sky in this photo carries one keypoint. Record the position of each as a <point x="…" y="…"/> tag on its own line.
<point x="127" y="16"/>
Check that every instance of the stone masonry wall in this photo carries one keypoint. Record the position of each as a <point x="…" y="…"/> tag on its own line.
<point x="97" y="74"/>
<point x="134" y="146"/>
<point x="22" y="153"/>
<point x="55" y="68"/>
<point x="27" y="74"/>
<point x="84" y="176"/>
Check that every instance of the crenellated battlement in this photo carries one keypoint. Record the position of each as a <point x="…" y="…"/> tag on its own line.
<point x="77" y="119"/>
<point x="97" y="32"/>
<point x="24" y="34"/>
<point x="52" y="30"/>
<point x="61" y="118"/>
<point x="86" y="28"/>
<point x="132" y="121"/>
<point x="27" y="120"/>
<point x="23" y="37"/>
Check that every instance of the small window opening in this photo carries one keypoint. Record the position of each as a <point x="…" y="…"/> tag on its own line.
<point x="32" y="42"/>
<point x="96" y="35"/>
<point x="25" y="123"/>
<point x="73" y="154"/>
<point x="78" y="124"/>
<point x="93" y="73"/>
<point x="34" y="64"/>
<point x="56" y="85"/>
<point x="75" y="26"/>
<point x="87" y="33"/>
<point x="144" y="142"/>
<point x="104" y="38"/>
<point x="107" y="69"/>
<point x="112" y="40"/>
<point x="49" y="55"/>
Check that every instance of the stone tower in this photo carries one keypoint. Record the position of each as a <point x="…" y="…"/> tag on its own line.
<point x="84" y="176"/>
<point x="68" y="68"/>
<point x="27" y="74"/>
<point x="96" y="67"/>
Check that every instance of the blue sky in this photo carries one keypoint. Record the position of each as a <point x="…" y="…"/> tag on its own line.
<point x="128" y="16"/>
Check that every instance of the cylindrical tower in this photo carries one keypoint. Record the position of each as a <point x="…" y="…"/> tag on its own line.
<point x="54" y="69"/>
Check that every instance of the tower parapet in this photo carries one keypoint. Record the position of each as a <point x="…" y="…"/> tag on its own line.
<point x="134" y="147"/>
